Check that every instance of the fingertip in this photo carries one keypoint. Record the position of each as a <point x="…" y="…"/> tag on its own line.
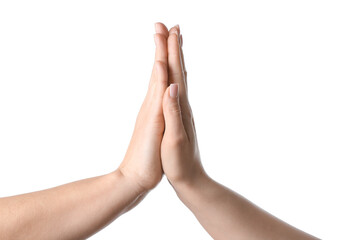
<point x="171" y="98"/>
<point x="161" y="28"/>
<point x="174" y="90"/>
<point x="173" y="41"/>
<point x="175" y="30"/>
<point x="174" y="60"/>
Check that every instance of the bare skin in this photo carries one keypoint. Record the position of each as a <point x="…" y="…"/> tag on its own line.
<point x="164" y="141"/>
<point x="223" y="213"/>
<point x="79" y="209"/>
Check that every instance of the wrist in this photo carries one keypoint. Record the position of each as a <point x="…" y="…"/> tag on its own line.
<point x="128" y="181"/>
<point x="197" y="181"/>
<point x="145" y="173"/>
<point x="191" y="193"/>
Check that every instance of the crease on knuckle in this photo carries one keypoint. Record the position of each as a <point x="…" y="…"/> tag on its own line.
<point x="176" y="75"/>
<point x="160" y="36"/>
<point x="160" y="63"/>
<point x="175" y="109"/>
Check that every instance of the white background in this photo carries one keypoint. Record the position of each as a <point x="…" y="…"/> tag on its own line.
<point x="266" y="87"/>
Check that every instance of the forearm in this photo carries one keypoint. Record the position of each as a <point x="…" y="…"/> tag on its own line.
<point x="71" y="211"/>
<point x="227" y="215"/>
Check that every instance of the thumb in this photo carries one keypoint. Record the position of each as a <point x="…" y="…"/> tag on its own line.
<point x="172" y="112"/>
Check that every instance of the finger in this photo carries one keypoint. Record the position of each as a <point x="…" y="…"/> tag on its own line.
<point x="174" y="62"/>
<point x="174" y="126"/>
<point x="182" y="60"/>
<point x="175" y="75"/>
<point x="173" y="43"/>
<point x="162" y="81"/>
<point x="160" y="39"/>
<point x="160" y="57"/>
<point x="160" y="48"/>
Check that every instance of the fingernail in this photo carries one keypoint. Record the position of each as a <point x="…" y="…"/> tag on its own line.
<point x="181" y="40"/>
<point x="177" y="26"/>
<point x="156" y="26"/>
<point x="174" y="90"/>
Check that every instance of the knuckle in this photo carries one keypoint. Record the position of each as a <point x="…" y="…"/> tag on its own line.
<point x="160" y="39"/>
<point x="176" y="74"/>
<point x="159" y="36"/>
<point x="173" y="35"/>
<point x="160" y="64"/>
<point x="174" y="108"/>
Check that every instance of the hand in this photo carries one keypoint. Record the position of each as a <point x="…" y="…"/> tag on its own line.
<point x="142" y="162"/>
<point x="179" y="148"/>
